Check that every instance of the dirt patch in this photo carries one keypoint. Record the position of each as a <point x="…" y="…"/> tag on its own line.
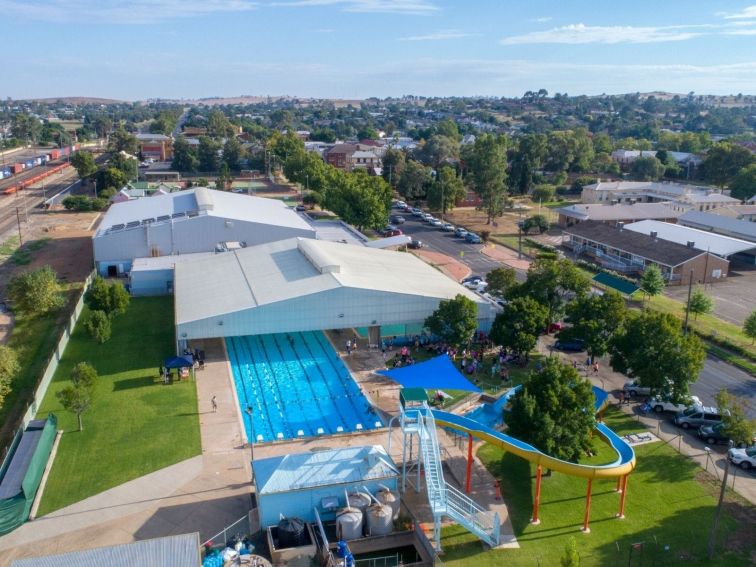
<point x="448" y="265"/>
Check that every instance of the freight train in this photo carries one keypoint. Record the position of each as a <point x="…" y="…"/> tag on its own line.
<point x="27" y="164"/>
<point x="46" y="172"/>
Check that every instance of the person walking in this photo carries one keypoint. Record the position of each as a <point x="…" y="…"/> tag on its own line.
<point x="214" y="403"/>
<point x="349" y="347"/>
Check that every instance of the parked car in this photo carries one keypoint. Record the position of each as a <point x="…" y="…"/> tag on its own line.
<point x="634" y="389"/>
<point x="429" y="218"/>
<point x="575" y="345"/>
<point x="714" y="434"/>
<point x="400" y="204"/>
<point x="460" y="232"/>
<point x="475" y="284"/>
<point x="397" y="219"/>
<point x="743" y="458"/>
<point x="436" y="223"/>
<point x="447" y="227"/>
<point x="472" y="279"/>
<point x="416" y="212"/>
<point x="696" y="416"/>
<point x="660" y="404"/>
<point x="385" y="233"/>
<point x="415" y="244"/>
<point x="300" y="208"/>
<point x="473" y="238"/>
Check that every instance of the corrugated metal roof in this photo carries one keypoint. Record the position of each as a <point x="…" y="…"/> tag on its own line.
<point x="300" y="471"/>
<point x="702" y="240"/>
<point x="165" y="262"/>
<point x="698" y="219"/>
<point x="172" y="551"/>
<point x="639" y="211"/>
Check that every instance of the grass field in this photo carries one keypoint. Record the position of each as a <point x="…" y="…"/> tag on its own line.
<point x="136" y="425"/>
<point x="670" y="507"/>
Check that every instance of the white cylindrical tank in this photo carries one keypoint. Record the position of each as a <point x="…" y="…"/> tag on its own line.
<point x="385" y="496"/>
<point x="379" y="520"/>
<point x="349" y="523"/>
<point x="359" y="500"/>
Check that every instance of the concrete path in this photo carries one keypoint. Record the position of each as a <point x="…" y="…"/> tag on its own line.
<point x="506" y="256"/>
<point x="203" y="494"/>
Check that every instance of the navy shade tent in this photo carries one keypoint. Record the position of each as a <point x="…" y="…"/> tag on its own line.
<point x="434" y="374"/>
<point x="179" y="362"/>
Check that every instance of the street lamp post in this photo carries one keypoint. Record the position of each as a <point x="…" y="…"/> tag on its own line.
<point x="519" y="239"/>
<point x="713" y="535"/>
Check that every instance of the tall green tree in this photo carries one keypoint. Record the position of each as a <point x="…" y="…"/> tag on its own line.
<point x="700" y="303"/>
<point x="123" y="141"/>
<point x="454" y="321"/>
<point x="184" y="156"/>
<point x="208" y="154"/>
<point x="519" y="324"/>
<point x="284" y="145"/>
<point x="743" y="185"/>
<point x="487" y="163"/>
<point x="595" y="319"/>
<point x="84" y="164"/>
<point x="501" y="280"/>
<point x="218" y="125"/>
<point x="359" y="199"/>
<point x="446" y="189"/>
<point x="415" y="180"/>
<point x="553" y="411"/>
<point x="98" y="326"/>
<point x="652" y="348"/>
<point x="447" y="127"/>
<point x="539" y="222"/>
<point x="525" y="160"/>
<point x="439" y="149"/>
<point x="749" y="327"/>
<point x="232" y="153"/>
<point x="647" y="169"/>
<point x="126" y="164"/>
<point x="551" y="282"/>
<point x="723" y="162"/>
<point x="652" y="281"/>
<point x="393" y="166"/>
<point x="112" y="177"/>
<point x="35" y="292"/>
<point x="9" y="367"/>
<point x="737" y="426"/>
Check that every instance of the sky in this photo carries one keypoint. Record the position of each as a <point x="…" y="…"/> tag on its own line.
<point x="135" y="50"/>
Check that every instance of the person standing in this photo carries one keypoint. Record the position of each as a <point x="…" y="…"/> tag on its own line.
<point x="349" y="347"/>
<point x="214" y="403"/>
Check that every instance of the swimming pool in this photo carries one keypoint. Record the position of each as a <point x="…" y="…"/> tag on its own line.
<point x="296" y="386"/>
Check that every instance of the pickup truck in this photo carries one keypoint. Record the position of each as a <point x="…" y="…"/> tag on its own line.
<point x="660" y="404"/>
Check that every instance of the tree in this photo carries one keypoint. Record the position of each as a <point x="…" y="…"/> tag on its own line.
<point x="542" y="193"/>
<point x="595" y="319"/>
<point x="218" y="126"/>
<point x="77" y="400"/>
<point x="122" y="141"/>
<point x="284" y="145"/>
<point x="113" y="177"/>
<point x="393" y="166"/>
<point x="519" y="324"/>
<point x="724" y="161"/>
<point x="526" y="160"/>
<point x="9" y="367"/>
<point x="447" y="127"/>
<point x="553" y="411"/>
<point x="358" y="198"/>
<point x="749" y="327"/>
<point x="98" y="326"/>
<point x="487" y="161"/>
<point x="367" y="133"/>
<point x="647" y="169"/>
<point x="445" y="190"/>
<point x="536" y="221"/>
<point x="652" y="348"/>
<point x="84" y="375"/>
<point x="414" y="181"/>
<point x="208" y="154"/>
<point x="700" y="303"/>
<point x="652" y="281"/>
<point x="736" y="425"/>
<point x="110" y="298"/>
<point x="571" y="557"/>
<point x="127" y="164"/>
<point x="232" y="152"/>
<point x="224" y="178"/>
<point x="743" y="185"/>
<point x="501" y="280"/>
<point x="119" y="299"/>
<point x="439" y="149"/>
<point x="184" y="156"/>
<point x="550" y="282"/>
<point x="454" y="321"/>
<point x="36" y="292"/>
<point x="84" y="164"/>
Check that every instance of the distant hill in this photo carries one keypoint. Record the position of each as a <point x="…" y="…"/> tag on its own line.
<point x="77" y="100"/>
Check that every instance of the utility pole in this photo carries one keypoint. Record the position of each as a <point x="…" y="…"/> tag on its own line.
<point x="687" y="305"/>
<point x="18" y="222"/>
<point x="713" y="535"/>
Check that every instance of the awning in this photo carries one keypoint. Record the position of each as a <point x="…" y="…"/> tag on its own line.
<point x="179" y="362"/>
<point x="623" y="286"/>
<point x="436" y="373"/>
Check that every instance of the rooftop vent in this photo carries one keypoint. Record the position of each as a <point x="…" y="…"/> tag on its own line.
<point x="620" y="225"/>
<point x="690" y="244"/>
<point x="317" y="257"/>
<point x="117" y="227"/>
<point x="177" y="215"/>
<point x="132" y="224"/>
<point x="163" y="218"/>
<point x="654" y="234"/>
<point x="204" y="199"/>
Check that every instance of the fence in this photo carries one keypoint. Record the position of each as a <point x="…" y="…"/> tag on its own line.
<point x="52" y="363"/>
<point x="240" y="526"/>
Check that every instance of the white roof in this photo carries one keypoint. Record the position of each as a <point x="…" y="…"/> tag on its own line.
<point x="708" y="220"/>
<point x="203" y="201"/>
<point x="703" y="240"/>
<point x="297" y="267"/>
<point x="640" y="211"/>
<point x="653" y="186"/>
<point x="165" y="262"/>
<point x="399" y="240"/>
<point x="710" y="198"/>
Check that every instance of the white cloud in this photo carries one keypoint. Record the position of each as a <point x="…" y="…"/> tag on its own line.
<point x="118" y="12"/>
<point x="542" y="20"/>
<point x="580" y="33"/>
<point x="748" y="13"/>
<point x="410" y="7"/>
<point x="751" y="31"/>
<point x="439" y="36"/>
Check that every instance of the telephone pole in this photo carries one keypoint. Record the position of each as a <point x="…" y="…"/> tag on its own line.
<point x="18" y="222"/>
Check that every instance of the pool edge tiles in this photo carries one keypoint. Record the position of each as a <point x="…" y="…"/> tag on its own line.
<point x="297" y="387"/>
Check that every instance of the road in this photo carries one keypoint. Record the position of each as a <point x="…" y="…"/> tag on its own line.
<point x="716" y="375"/>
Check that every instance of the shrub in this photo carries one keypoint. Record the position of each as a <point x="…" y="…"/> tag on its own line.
<point x="98" y="326"/>
<point x="35" y="292"/>
<point x="485" y="235"/>
<point x="112" y="298"/>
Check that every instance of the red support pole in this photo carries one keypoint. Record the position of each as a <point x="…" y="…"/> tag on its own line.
<point x="468" y="480"/>
<point x="621" y="514"/>
<point x="619" y="484"/>
<point x="586" y="521"/>
<point x="537" y="503"/>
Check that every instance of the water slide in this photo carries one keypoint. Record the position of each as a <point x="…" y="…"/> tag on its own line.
<point x="623" y="465"/>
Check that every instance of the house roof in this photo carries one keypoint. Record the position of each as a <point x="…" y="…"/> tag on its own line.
<point x="639" y="244"/>
<point x="702" y="240"/>
<point x="300" y="471"/>
<point x="297" y="267"/>
<point x="638" y="211"/>
<point x="203" y="201"/>
<point x="716" y="223"/>
<point x="655" y="187"/>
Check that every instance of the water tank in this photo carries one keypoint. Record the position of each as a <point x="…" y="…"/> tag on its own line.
<point x="349" y="523"/>
<point x="291" y="533"/>
<point x="385" y="496"/>
<point x="379" y="520"/>
<point x="359" y="500"/>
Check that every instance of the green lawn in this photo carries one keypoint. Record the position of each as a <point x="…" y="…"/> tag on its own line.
<point x="670" y="507"/>
<point x="136" y="425"/>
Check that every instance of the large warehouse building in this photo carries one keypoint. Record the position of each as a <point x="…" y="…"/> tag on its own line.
<point x="197" y="220"/>
<point x="303" y="284"/>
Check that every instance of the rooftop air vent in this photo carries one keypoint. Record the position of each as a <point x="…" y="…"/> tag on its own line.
<point x="177" y="215"/>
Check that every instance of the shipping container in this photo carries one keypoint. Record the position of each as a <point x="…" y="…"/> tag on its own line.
<point x="17" y="167"/>
<point x="55" y="154"/>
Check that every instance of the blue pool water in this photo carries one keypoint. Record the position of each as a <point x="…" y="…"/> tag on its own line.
<point x="297" y="386"/>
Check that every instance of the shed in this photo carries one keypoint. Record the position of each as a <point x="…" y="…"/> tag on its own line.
<point x="296" y="484"/>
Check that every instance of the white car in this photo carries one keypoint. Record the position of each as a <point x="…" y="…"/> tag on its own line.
<point x="660" y="404"/>
<point x="437" y="223"/>
<point x="635" y="389"/>
<point x="479" y="286"/>
<point x="447" y="227"/>
<point x="743" y="458"/>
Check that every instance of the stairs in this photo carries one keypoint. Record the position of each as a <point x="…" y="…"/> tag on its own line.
<point x="445" y="500"/>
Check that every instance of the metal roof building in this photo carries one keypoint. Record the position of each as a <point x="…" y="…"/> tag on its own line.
<point x="190" y="221"/>
<point x="303" y="284"/>
<point x="172" y="551"/>
<point x="296" y="484"/>
<point x="718" y="244"/>
<point x="720" y="224"/>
